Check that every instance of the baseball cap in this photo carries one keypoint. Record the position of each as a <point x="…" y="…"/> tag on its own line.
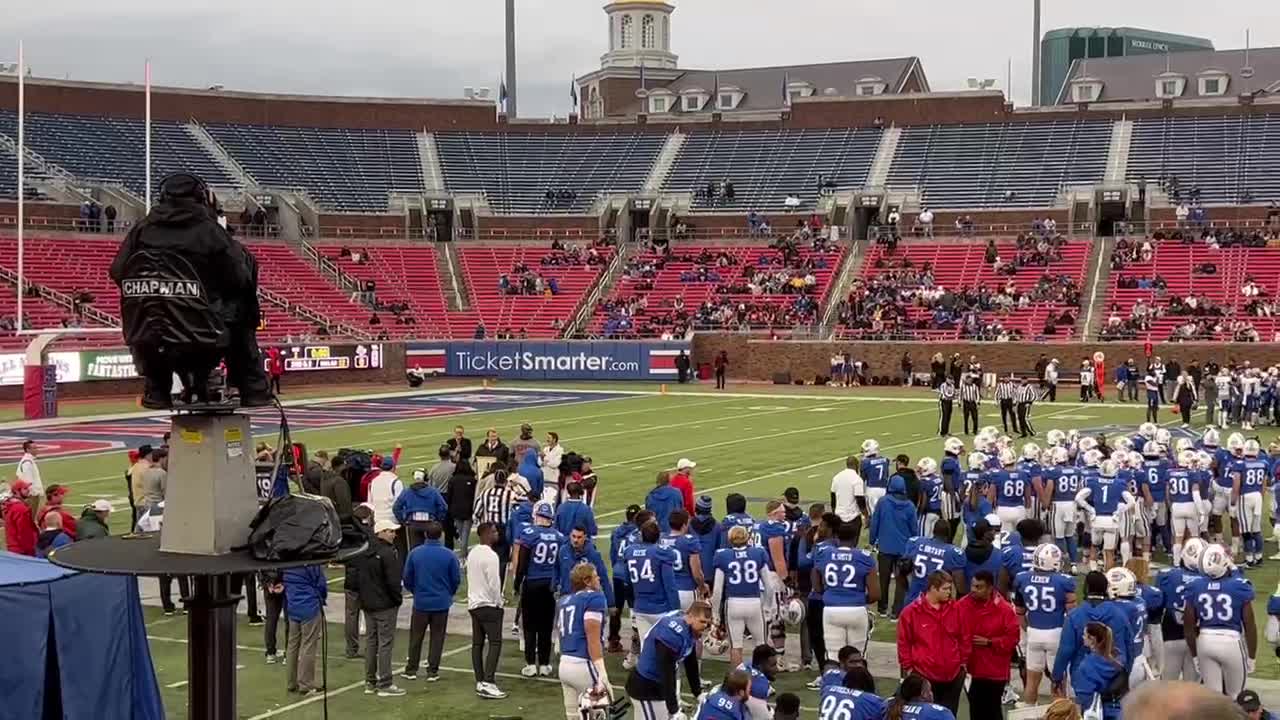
<point x="383" y="525"/>
<point x="388" y="463"/>
<point x="703" y="504"/>
<point x="1248" y="701"/>
<point x="102" y="506"/>
<point x="20" y="488"/>
<point x="792" y="495"/>
<point x="544" y="510"/>
<point x="685" y="463"/>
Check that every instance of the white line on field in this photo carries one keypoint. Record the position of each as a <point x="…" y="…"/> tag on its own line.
<point x="183" y="683"/>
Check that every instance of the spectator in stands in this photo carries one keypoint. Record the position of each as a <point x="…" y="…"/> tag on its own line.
<point x="110" y="214"/>
<point x="992" y="254"/>
<point x="925" y="221"/>
<point x="1182" y="212"/>
<point x="479" y="333"/>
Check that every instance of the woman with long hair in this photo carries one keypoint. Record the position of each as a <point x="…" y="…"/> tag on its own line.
<point x="1101" y="678"/>
<point x="916" y="692"/>
<point x="1062" y="709"/>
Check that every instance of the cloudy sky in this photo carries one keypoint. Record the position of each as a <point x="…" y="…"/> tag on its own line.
<point x="432" y="48"/>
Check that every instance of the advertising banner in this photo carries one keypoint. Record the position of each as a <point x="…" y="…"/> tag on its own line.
<point x="548" y="360"/>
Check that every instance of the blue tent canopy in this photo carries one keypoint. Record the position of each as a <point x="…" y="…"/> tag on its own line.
<point x="74" y="645"/>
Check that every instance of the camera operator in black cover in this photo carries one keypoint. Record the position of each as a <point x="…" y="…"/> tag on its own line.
<point x="189" y="298"/>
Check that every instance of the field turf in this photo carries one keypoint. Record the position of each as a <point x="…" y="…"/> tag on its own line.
<point x="752" y="440"/>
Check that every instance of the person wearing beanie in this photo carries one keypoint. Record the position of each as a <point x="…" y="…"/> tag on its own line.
<point x="703" y="526"/>
<point x="621" y="589"/>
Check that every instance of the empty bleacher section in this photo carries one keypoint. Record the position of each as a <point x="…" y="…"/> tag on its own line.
<point x="404" y="275"/>
<point x="111" y="149"/>
<point x="517" y="170"/>
<point x="342" y="169"/>
<point x="999" y="165"/>
<point x="505" y="279"/>
<point x="944" y="291"/>
<point x="767" y="166"/>
<point x="9" y="178"/>
<point x="1169" y="290"/>
<point x="717" y="288"/>
<point x="1228" y="159"/>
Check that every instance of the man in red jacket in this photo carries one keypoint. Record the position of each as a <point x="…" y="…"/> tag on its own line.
<point x="682" y="480"/>
<point x="932" y="641"/>
<point x="20" y="533"/>
<point x="990" y="624"/>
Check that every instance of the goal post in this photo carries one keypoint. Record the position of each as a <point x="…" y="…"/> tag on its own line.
<point x="39" y="376"/>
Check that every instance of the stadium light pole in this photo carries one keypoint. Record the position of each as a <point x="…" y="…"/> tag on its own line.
<point x="1035" y="54"/>
<point x="511" y="59"/>
<point x="22" y="196"/>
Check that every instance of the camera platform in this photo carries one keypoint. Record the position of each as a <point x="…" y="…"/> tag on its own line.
<point x="225" y="407"/>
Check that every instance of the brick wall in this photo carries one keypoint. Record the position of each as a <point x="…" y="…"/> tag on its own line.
<point x="760" y="359"/>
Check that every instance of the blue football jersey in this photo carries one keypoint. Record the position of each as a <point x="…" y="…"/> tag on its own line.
<point x="875" y="472"/>
<point x="927" y="556"/>
<point x="951" y="471"/>
<point x="931" y="487"/>
<point x="1222" y="459"/>
<point x="682" y="547"/>
<point x="1011" y="487"/>
<point x="1181" y="483"/>
<point x="733" y="520"/>
<point x="1044" y="595"/>
<point x="1016" y="557"/>
<point x="572" y="612"/>
<point x="743" y="570"/>
<point x="1135" y="611"/>
<point x="768" y="530"/>
<point x="1155" y="473"/>
<point x="926" y="711"/>
<point x="1154" y="600"/>
<point x="841" y="703"/>
<point x="1254" y="473"/>
<point x="672" y="631"/>
<point x="1066" y="483"/>
<point x="844" y="574"/>
<point x="720" y="706"/>
<point x="1173" y="582"/>
<point x="834" y="676"/>
<point x="1219" y="604"/>
<point x="759" y="687"/>
<point x="651" y="573"/>
<point x="543" y="545"/>
<point x="1105" y="494"/>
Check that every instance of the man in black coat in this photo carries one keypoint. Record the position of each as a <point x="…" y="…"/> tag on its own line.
<point x="682" y="367"/>
<point x="377" y="580"/>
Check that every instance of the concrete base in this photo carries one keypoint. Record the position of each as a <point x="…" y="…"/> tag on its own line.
<point x="211" y="496"/>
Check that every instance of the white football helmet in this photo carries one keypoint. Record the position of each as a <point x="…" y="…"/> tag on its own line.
<point x="1214" y="561"/>
<point x="1109" y="468"/>
<point x="1191" y="552"/>
<point x="593" y="706"/>
<point x="1252" y="448"/>
<point x="870" y="447"/>
<point x="953" y="445"/>
<point x="1210" y="439"/>
<point x="1235" y="443"/>
<point x="1120" y="456"/>
<point x="1204" y="460"/>
<point x="793" y="612"/>
<point x="1057" y="437"/>
<point x="1134" y="459"/>
<point x="1073" y="436"/>
<point x="1121" y="583"/>
<point x="1046" y="455"/>
<point x="1164" y="437"/>
<point x="1047" y="558"/>
<point x="1148" y="430"/>
<point x="977" y="460"/>
<point x="1031" y="452"/>
<point x="1093" y="458"/>
<point x="1061" y="456"/>
<point x="1008" y="457"/>
<point x="1087" y="443"/>
<point x="1183" y="444"/>
<point x="716" y="641"/>
<point x="1187" y="458"/>
<point x="1004" y="442"/>
<point x="984" y="441"/>
<point x="1122" y="442"/>
<point x="1153" y="449"/>
<point x="927" y="466"/>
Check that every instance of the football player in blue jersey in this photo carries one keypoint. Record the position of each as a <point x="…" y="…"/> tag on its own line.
<point x="846" y="577"/>
<point x="847" y="659"/>
<point x="1017" y="553"/>
<point x="1122" y="588"/>
<point x="650" y="571"/>
<point x="652" y="685"/>
<point x="978" y="496"/>
<point x="1043" y="595"/>
<point x="847" y="700"/>
<point x="1155" y="475"/>
<point x="926" y="555"/>
<point x="1186" y="504"/>
<point x="763" y="669"/>
<point x="1103" y="496"/>
<point x="1250" y="477"/>
<point x="1064" y="480"/>
<point x="772" y="534"/>
<point x="1175" y="661"/>
<point x="579" y="550"/>
<point x="737" y="591"/>
<point x="914" y="701"/>
<point x="1217" y="614"/>
<point x="1011" y="488"/>
<point x="621" y="590"/>
<point x="536" y="570"/>
<point x="688" y="559"/>
<point x="580" y="618"/>
<point x="875" y="473"/>
<point x="735" y="506"/>
<point x="729" y="701"/>
<point x="932" y="491"/>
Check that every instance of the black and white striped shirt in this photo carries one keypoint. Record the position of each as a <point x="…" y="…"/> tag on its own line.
<point x="494" y="505"/>
<point x="1006" y="390"/>
<point x="970" y="392"/>
<point x="1028" y="393"/>
<point x="947" y="391"/>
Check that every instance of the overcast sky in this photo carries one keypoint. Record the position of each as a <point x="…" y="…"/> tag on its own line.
<point x="432" y="48"/>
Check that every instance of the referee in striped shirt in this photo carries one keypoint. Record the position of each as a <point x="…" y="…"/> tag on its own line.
<point x="1027" y="395"/>
<point x="970" y="394"/>
<point x="1006" y="391"/>
<point x="946" y="402"/>
<point x="494" y="506"/>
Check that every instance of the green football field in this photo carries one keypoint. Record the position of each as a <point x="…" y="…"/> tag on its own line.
<point x="752" y="440"/>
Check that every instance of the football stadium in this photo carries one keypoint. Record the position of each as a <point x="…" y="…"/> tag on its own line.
<point x="803" y="391"/>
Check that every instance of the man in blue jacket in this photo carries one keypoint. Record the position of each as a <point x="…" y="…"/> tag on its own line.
<point x="419" y="504"/>
<point x="305" y="590"/>
<point x="579" y="550"/>
<point x="432" y="573"/>
<point x="573" y="512"/>
<point x="621" y="590"/>
<point x="664" y="500"/>
<point x="1096" y="608"/>
<point x="892" y="525"/>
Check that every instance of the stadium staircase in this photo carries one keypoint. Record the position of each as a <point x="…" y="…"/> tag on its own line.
<point x="230" y="166"/>
<point x="581" y="322"/>
<point x="457" y="295"/>
<point x="664" y="162"/>
<point x="879" y="172"/>
<point x="1118" y="152"/>
<point x="1095" y="288"/>
<point x="432" y="175"/>
<point x="849" y="269"/>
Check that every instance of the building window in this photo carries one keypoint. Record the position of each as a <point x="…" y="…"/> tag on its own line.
<point x="870" y="88"/>
<point x="624" y="35"/>
<point x="647" y="31"/>
<point x="657" y="105"/>
<point x="666" y="32"/>
<point x="1213" y="85"/>
<point x="693" y="103"/>
<point x="1167" y="89"/>
<point x="1086" y="92"/>
<point x="613" y="41"/>
<point x="726" y="101"/>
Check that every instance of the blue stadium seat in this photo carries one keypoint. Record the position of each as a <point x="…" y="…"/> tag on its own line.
<point x="1231" y="158"/>
<point x="95" y="147"/>
<point x="999" y="165"/>
<point x="765" y="166"/>
<point x="343" y="169"/>
<point x="516" y="169"/>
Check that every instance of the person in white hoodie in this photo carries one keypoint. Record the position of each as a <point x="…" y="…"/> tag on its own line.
<point x="484" y="603"/>
<point x="551" y="457"/>
<point x="383" y="491"/>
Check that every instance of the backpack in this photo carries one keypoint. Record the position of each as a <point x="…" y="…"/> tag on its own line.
<point x="164" y="303"/>
<point x="295" y="527"/>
